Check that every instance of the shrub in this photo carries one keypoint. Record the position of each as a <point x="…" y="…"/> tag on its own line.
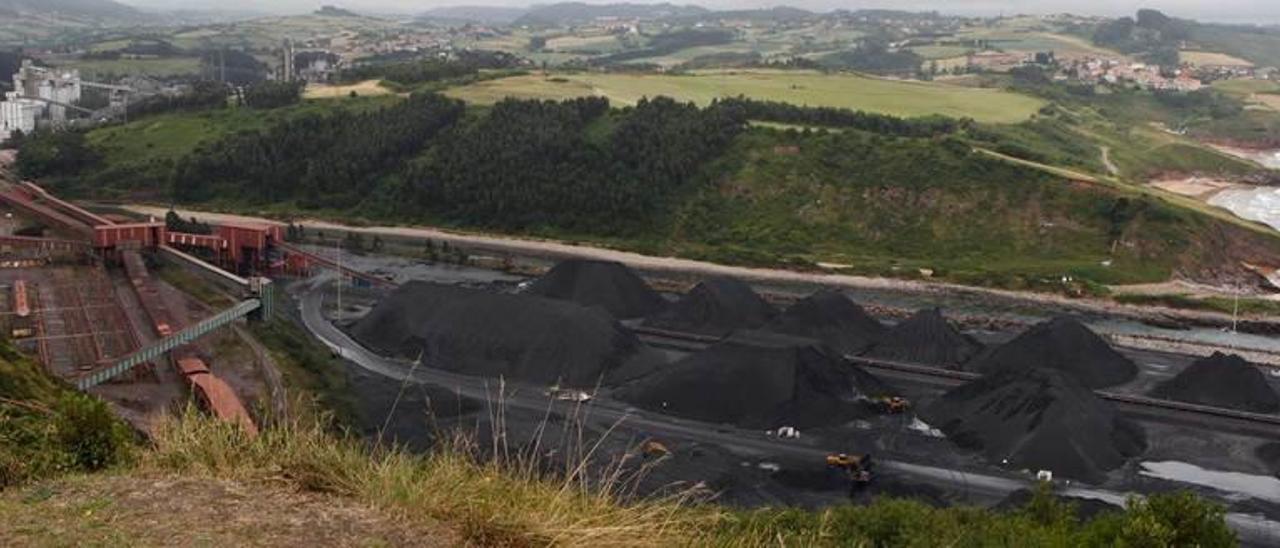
<point x="89" y="434"/>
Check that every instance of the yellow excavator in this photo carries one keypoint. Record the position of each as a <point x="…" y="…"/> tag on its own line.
<point x="858" y="467"/>
<point x="892" y="404"/>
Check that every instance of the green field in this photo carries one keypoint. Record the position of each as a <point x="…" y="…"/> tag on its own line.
<point x="898" y="98"/>
<point x="940" y="52"/>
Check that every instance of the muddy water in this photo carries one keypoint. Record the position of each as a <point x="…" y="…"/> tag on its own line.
<point x="1261" y="204"/>
<point x="1259" y="487"/>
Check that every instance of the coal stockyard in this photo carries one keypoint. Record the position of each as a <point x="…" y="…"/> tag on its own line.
<point x="809" y="400"/>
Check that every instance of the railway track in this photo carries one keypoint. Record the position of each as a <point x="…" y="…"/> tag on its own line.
<point x="1141" y="405"/>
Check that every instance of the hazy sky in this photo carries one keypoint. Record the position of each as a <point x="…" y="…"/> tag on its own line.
<point x="1242" y="11"/>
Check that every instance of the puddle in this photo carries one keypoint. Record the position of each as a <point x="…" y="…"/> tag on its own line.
<point x="1260" y="487"/>
<point x="924" y="428"/>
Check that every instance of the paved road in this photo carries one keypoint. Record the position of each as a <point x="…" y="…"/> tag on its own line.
<point x="605" y="413"/>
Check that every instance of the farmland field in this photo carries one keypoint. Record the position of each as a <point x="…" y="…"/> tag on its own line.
<point x="367" y="88"/>
<point x="1202" y="58"/>
<point x="898" y="98"/>
<point x="940" y="52"/>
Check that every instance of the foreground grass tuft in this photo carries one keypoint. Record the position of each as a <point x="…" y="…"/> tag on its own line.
<point x="512" y="501"/>
<point x="489" y="502"/>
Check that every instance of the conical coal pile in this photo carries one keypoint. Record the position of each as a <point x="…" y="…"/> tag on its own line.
<point x="519" y="337"/>
<point x="759" y="380"/>
<point x="606" y="284"/>
<point x="1063" y="344"/>
<point x="715" y="307"/>
<point x="926" y="338"/>
<point x="1222" y="380"/>
<point x="1037" y="419"/>
<point x="834" y="319"/>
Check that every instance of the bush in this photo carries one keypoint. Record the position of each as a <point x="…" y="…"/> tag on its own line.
<point x="89" y="434"/>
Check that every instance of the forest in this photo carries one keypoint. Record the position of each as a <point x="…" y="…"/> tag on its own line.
<point x="319" y="160"/>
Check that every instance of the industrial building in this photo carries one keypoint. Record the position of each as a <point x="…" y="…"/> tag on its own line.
<point x="39" y="94"/>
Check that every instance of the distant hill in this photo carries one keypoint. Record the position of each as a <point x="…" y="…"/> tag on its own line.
<point x="571" y="12"/>
<point x="779" y="13"/>
<point x="334" y="11"/>
<point x="1158" y="37"/>
<point x="492" y="15"/>
<point x="69" y="8"/>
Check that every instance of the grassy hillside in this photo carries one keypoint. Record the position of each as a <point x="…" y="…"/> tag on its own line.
<point x="46" y="428"/>
<point x="900" y="205"/>
<point x="804" y="88"/>
<point x="990" y="204"/>
<point x="141" y="154"/>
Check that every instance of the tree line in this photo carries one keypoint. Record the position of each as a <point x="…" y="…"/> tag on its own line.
<point x="786" y="113"/>
<point x="572" y="165"/>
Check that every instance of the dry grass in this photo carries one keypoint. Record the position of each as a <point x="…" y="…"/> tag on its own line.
<point x="173" y="510"/>
<point x="368" y="88"/>
<point x="492" y="497"/>
<point x="1208" y="58"/>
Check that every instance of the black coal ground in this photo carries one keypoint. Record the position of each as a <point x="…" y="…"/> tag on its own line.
<point x="425" y="415"/>
<point x="1224" y="381"/>
<point x="522" y="337"/>
<point x="607" y="284"/>
<point x="759" y="380"/>
<point x="747" y="485"/>
<point x="1063" y="344"/>
<point x="833" y="318"/>
<point x="1270" y="455"/>
<point x="926" y="338"/>
<point x="716" y="307"/>
<point x="1037" y="419"/>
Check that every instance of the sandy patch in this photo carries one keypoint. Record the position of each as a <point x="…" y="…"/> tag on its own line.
<point x="1200" y="188"/>
<point x="367" y="88"/>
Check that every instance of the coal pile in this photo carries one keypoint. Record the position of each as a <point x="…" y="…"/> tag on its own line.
<point x="1221" y="380"/>
<point x="607" y="284"/>
<point x="1037" y="419"/>
<point x="715" y="307"/>
<point x="834" y="319"/>
<point x="520" y="337"/>
<point x="926" y="338"/>
<point x="409" y="415"/>
<point x="1063" y="344"/>
<point x="759" y="380"/>
<point x="1270" y="455"/>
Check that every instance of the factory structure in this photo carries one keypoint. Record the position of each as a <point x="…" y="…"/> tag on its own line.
<point x="39" y="95"/>
<point x="45" y="97"/>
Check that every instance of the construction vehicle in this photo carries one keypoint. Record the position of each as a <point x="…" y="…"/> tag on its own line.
<point x="567" y="394"/>
<point x="654" y="449"/>
<point x="784" y="432"/>
<point x="892" y="404"/>
<point x="857" y="467"/>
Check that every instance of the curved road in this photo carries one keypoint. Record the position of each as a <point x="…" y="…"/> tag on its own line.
<point x="605" y="413"/>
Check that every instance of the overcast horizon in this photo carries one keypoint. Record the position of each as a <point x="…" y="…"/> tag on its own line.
<point x="1232" y="11"/>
